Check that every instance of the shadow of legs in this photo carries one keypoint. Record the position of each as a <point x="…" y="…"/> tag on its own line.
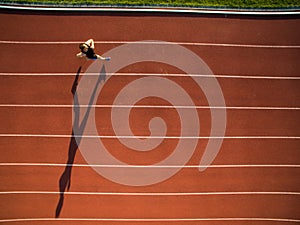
<point x="65" y="179"/>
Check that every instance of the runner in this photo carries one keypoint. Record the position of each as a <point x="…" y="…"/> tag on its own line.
<point x="87" y="49"/>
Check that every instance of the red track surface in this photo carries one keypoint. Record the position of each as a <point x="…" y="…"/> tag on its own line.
<point x="252" y="194"/>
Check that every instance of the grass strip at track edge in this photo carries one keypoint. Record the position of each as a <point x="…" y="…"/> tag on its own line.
<point x="55" y="4"/>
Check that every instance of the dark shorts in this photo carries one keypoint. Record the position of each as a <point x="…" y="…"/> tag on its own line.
<point x="92" y="56"/>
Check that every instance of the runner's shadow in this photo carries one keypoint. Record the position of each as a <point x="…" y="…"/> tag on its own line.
<point x="65" y="178"/>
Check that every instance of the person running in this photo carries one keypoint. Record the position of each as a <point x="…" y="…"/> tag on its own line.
<point x="87" y="49"/>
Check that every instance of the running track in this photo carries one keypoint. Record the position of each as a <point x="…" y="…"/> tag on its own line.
<point x="253" y="180"/>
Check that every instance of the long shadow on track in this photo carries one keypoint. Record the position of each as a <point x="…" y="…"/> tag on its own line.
<point x="65" y="178"/>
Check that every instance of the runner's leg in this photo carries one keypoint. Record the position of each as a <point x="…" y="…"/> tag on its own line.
<point x="103" y="58"/>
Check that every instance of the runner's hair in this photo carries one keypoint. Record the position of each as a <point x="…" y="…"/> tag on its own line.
<point x="82" y="46"/>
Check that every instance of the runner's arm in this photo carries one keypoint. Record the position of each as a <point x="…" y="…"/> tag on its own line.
<point x="90" y="43"/>
<point x="80" y="55"/>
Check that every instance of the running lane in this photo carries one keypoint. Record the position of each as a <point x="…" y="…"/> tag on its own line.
<point x="256" y="63"/>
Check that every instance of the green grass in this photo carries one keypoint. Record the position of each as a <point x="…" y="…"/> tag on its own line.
<point x="263" y="4"/>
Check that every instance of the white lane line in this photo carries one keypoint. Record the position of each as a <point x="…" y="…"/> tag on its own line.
<point x="153" y="166"/>
<point x="152" y="43"/>
<point x="160" y="74"/>
<point x="144" y="137"/>
<point x="151" y="106"/>
<point x="150" y="219"/>
<point x="151" y="193"/>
